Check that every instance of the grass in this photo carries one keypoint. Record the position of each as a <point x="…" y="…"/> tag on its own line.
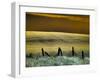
<point x="55" y="61"/>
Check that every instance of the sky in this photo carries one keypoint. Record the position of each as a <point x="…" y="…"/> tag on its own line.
<point x="51" y="22"/>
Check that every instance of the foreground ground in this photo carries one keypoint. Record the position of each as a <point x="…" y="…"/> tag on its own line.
<point x="55" y="61"/>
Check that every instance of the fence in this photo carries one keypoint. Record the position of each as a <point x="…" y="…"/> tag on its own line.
<point x="60" y="53"/>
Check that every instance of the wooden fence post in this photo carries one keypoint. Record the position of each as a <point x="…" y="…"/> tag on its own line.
<point x="47" y="54"/>
<point x="42" y="52"/>
<point x="59" y="52"/>
<point x="83" y="54"/>
<point x="73" y="52"/>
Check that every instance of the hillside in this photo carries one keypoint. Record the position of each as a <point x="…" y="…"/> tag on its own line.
<point x="50" y="41"/>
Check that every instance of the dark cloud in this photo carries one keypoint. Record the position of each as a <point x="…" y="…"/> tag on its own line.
<point x="57" y="22"/>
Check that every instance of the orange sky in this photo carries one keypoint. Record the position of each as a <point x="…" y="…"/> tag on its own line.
<point x="57" y="22"/>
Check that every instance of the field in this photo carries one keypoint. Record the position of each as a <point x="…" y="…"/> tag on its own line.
<point x="50" y="42"/>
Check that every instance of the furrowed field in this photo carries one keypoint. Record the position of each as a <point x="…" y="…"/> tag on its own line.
<point x="50" y="42"/>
